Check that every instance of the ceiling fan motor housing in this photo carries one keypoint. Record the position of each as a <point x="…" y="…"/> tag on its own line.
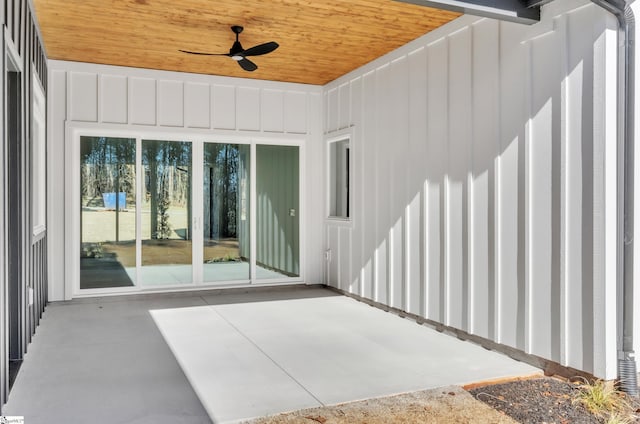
<point x="235" y="50"/>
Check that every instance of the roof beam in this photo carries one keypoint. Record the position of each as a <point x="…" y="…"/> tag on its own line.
<point x="521" y="11"/>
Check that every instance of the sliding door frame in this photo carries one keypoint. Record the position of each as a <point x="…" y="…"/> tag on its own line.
<point x="74" y="132"/>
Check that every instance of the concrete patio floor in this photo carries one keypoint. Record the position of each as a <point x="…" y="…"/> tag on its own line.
<point x="229" y="356"/>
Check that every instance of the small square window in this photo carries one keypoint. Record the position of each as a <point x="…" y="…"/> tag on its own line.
<point x="339" y="179"/>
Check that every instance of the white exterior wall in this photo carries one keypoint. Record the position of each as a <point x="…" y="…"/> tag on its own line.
<point x="117" y="98"/>
<point x="635" y="7"/>
<point x="484" y="182"/>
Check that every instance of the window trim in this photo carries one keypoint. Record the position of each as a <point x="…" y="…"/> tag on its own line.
<point x="38" y="161"/>
<point x="334" y="137"/>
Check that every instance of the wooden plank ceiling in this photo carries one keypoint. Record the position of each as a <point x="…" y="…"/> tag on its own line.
<point x="319" y="40"/>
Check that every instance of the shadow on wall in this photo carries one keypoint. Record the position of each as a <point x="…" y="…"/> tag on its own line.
<point x="475" y="153"/>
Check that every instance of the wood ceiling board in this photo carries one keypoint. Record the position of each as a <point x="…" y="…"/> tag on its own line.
<point x="319" y="40"/>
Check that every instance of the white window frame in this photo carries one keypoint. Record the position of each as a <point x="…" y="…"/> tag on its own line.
<point x="335" y="137"/>
<point x="38" y="159"/>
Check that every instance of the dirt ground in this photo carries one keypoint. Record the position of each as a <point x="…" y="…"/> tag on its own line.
<point x="174" y="251"/>
<point x="448" y="405"/>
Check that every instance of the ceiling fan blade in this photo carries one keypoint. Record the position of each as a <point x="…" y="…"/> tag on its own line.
<point x="261" y="49"/>
<point x="202" y="53"/>
<point x="247" y="65"/>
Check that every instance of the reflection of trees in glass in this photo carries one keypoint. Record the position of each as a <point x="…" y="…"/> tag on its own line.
<point x="108" y="166"/>
<point x="221" y="191"/>
<point x="164" y="227"/>
<point x="167" y="182"/>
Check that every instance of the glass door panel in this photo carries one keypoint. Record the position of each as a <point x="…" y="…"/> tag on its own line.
<point x="225" y="228"/>
<point x="166" y="213"/>
<point x="277" y="217"/>
<point x="107" y="217"/>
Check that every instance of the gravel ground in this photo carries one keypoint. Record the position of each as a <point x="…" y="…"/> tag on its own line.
<point x="544" y="400"/>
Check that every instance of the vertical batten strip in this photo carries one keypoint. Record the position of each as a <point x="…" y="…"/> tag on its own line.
<point x="492" y="186"/>
<point x="446" y="304"/>
<point x="444" y="223"/>
<point x="408" y="252"/>
<point x="521" y="329"/>
<point x="425" y="212"/>
<point x="565" y="175"/>
<point x="499" y="228"/>
<point x="405" y="159"/>
<point x="425" y="204"/>
<point x="497" y="199"/>
<point x="557" y="255"/>
<point x="447" y="196"/>
<point x="469" y="210"/>
<point x="390" y="266"/>
<point x="527" y="198"/>
<point x="448" y="242"/>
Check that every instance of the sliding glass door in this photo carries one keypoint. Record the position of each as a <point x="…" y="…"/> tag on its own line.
<point x="278" y="229"/>
<point x="225" y="212"/>
<point x="107" y="212"/>
<point x="164" y="213"/>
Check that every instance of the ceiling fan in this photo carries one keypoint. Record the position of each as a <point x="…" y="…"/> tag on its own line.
<point x="239" y="54"/>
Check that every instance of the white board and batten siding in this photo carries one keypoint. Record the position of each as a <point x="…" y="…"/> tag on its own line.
<point x="484" y="192"/>
<point x="110" y="97"/>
